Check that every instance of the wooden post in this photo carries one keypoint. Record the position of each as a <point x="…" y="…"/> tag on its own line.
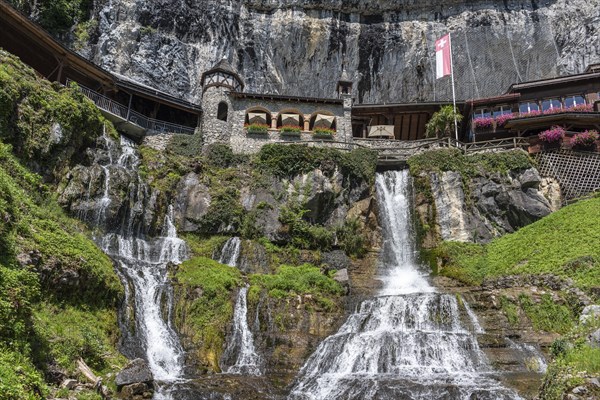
<point x="129" y="106"/>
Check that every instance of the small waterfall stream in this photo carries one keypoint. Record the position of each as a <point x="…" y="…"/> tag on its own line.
<point x="240" y="347"/>
<point x="408" y="342"/>
<point x="142" y="266"/>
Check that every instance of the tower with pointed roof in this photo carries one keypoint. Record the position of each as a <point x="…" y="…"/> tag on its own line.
<point x="217" y="83"/>
<point x="344" y="92"/>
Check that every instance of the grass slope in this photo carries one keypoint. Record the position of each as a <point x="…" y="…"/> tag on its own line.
<point x="564" y="244"/>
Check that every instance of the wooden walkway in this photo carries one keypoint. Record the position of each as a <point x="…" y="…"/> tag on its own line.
<point x="130" y="121"/>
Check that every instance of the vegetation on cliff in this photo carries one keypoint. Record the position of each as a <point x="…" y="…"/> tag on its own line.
<point x="563" y="244"/>
<point x="58" y="291"/>
<point x="48" y="125"/>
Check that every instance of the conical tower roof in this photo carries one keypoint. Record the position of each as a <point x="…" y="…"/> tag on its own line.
<point x="222" y="67"/>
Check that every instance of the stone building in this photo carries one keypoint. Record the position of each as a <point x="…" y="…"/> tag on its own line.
<point x="247" y="121"/>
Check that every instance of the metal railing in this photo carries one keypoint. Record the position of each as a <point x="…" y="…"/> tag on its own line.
<point x="134" y="117"/>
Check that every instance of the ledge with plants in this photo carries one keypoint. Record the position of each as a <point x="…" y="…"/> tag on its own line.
<point x="257" y="129"/>
<point x="290" y="130"/>
<point x="323" y="133"/>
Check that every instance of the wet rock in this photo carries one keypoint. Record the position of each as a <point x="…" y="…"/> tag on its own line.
<point x="589" y="312"/>
<point x="497" y="204"/>
<point x="137" y="371"/>
<point x="192" y="202"/>
<point x="135" y="391"/>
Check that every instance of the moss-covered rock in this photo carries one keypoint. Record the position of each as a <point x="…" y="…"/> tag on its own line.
<point x="49" y="126"/>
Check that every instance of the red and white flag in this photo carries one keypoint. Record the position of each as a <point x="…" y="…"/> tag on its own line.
<point x="443" y="64"/>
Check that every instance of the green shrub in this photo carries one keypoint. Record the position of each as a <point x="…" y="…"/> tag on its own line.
<point x="19" y="379"/>
<point x="287" y="161"/>
<point x="303" y="234"/>
<point x="468" y="165"/>
<point x="351" y="239"/>
<point x="547" y="315"/>
<point x="291" y="281"/>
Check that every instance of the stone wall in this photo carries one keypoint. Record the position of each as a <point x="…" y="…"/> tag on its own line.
<point x="242" y="142"/>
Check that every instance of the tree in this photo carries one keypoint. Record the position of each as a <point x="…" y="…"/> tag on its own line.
<point x="441" y="123"/>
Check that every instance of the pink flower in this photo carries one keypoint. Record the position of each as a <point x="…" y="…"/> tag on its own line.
<point x="585" y="139"/>
<point x="483" y="122"/>
<point x="501" y="120"/>
<point x="552" y="135"/>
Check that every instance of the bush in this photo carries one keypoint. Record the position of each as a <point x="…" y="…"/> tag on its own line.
<point x="304" y="235"/>
<point x="292" y="281"/>
<point x="287" y="161"/>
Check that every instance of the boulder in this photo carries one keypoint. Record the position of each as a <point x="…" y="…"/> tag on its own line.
<point x="589" y="312"/>
<point x="594" y="339"/>
<point x="135" y="389"/>
<point x="342" y="277"/>
<point x="137" y="371"/>
<point x="530" y="178"/>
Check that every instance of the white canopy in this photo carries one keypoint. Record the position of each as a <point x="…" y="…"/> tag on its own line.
<point x="257" y="118"/>
<point x="381" y="131"/>
<point x="290" y="119"/>
<point x="323" y="121"/>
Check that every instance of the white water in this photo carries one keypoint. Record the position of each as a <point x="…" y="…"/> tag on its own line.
<point x="231" y="252"/>
<point x="241" y="342"/>
<point x="407" y="343"/>
<point x="142" y="266"/>
<point x="476" y="326"/>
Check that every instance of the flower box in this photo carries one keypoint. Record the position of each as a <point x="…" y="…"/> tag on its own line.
<point x="585" y="140"/>
<point x="290" y="130"/>
<point x="257" y="129"/>
<point x="552" y="138"/>
<point x="323" y="133"/>
<point x="483" y="124"/>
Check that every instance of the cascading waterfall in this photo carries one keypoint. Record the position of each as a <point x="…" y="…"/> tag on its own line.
<point x="142" y="266"/>
<point x="409" y="342"/>
<point x="231" y="251"/>
<point x="241" y="343"/>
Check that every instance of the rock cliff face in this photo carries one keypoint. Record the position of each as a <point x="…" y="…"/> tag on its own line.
<point x="497" y="204"/>
<point x="297" y="47"/>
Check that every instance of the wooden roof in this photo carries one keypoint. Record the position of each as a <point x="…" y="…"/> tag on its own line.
<point x="38" y="49"/>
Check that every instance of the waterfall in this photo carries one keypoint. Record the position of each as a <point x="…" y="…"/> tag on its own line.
<point x="142" y="266"/>
<point x="409" y="341"/>
<point x="240" y="347"/>
<point x="231" y="252"/>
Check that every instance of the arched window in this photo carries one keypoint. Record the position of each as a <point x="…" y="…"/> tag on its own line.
<point x="222" y="111"/>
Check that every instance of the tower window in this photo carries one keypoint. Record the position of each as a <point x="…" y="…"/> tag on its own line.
<point x="222" y="111"/>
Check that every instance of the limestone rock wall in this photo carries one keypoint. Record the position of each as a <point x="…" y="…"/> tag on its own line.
<point x="297" y="47"/>
<point x="485" y="207"/>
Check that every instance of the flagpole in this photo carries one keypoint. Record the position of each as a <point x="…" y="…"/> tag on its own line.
<point x="453" y="90"/>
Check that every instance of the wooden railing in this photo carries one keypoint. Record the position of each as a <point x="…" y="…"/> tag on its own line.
<point x="121" y="111"/>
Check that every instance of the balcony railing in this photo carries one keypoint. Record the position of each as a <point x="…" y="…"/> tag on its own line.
<point x="134" y="117"/>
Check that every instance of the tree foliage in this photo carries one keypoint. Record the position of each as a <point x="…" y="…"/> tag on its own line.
<point x="441" y="123"/>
